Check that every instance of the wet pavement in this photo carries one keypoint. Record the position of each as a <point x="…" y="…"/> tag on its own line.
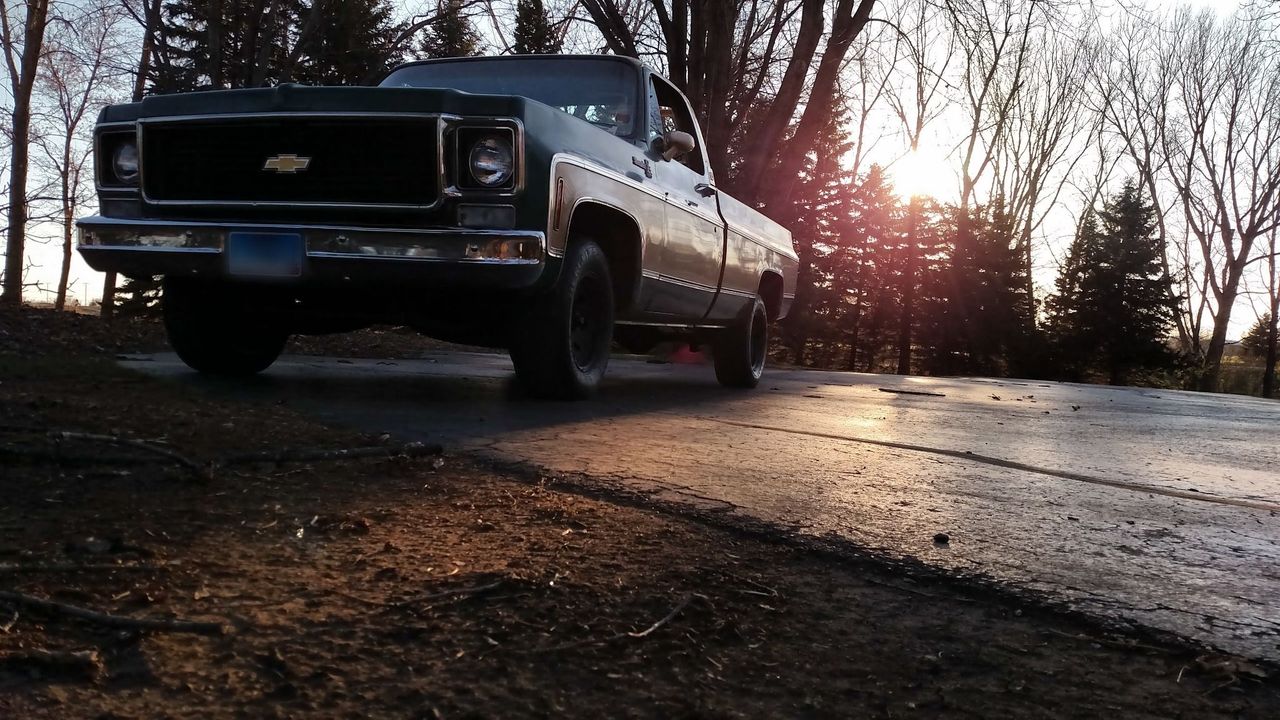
<point x="1151" y="506"/>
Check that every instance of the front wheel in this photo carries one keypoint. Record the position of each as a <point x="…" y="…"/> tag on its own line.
<point x="739" y="350"/>
<point x="218" y="331"/>
<point x="561" y="348"/>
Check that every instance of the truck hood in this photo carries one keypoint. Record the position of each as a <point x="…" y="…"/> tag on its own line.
<point x="303" y="98"/>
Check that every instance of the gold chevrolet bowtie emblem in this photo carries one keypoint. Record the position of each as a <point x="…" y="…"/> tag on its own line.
<point x="288" y="164"/>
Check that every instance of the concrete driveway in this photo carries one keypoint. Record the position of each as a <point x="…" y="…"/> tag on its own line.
<point x="1152" y="506"/>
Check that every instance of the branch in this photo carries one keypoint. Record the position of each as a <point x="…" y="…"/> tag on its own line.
<point x="158" y="625"/>
<point x="178" y="458"/>
<point x="413" y="449"/>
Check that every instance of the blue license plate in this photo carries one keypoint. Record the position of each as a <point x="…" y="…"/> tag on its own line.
<point x="262" y="254"/>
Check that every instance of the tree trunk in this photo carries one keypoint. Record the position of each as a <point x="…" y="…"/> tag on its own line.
<point x="1269" y="374"/>
<point x="108" y="308"/>
<point x="214" y="39"/>
<point x="145" y="60"/>
<point x="853" y="340"/>
<point x="907" y="322"/>
<point x="68" y="231"/>
<point x="848" y="22"/>
<point x="68" y="221"/>
<point x="797" y="322"/>
<point x="152" y="20"/>
<point x="722" y="16"/>
<point x="19" y="156"/>
<point x="768" y="140"/>
<point x="1218" y="341"/>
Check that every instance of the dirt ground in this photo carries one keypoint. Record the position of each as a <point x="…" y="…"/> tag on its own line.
<point x="435" y="587"/>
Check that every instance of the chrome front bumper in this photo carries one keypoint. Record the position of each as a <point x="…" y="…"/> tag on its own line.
<point x="161" y="247"/>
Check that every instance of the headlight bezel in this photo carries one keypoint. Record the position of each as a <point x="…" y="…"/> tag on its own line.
<point x="470" y="133"/>
<point x="109" y="140"/>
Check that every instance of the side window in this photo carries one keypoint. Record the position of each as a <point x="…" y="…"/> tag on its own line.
<point x="668" y="111"/>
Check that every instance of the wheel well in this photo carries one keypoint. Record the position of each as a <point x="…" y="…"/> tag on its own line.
<point x="619" y="236"/>
<point x="771" y="294"/>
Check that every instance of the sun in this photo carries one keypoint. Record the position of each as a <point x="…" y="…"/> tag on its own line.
<point x="923" y="172"/>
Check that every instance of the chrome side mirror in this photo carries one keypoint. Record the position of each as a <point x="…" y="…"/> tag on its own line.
<point x="676" y="143"/>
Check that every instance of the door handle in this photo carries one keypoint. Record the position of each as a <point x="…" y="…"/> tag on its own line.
<point x="704" y="189"/>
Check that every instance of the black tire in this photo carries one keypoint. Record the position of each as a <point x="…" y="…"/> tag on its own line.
<point x="739" y="350"/>
<point x="561" y="347"/>
<point x="218" y="331"/>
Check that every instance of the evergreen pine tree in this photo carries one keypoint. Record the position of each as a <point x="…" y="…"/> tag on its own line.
<point x="535" y="34"/>
<point x="1112" y="311"/>
<point x="861" y="267"/>
<point x="352" y="43"/>
<point x="1254" y="342"/>
<point x="977" y="309"/>
<point x="1073" y="311"/>
<point x="820" y="228"/>
<point x="451" y="34"/>
<point x="138" y="297"/>
<point x="225" y="44"/>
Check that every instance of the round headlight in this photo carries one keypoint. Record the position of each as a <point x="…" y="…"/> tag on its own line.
<point x="124" y="162"/>
<point x="492" y="161"/>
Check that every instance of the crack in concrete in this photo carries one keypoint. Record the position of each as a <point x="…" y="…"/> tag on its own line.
<point x="1011" y="465"/>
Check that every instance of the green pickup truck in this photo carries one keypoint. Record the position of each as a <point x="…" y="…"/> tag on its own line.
<point x="551" y="205"/>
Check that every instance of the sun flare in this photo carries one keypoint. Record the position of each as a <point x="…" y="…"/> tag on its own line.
<point x="922" y="172"/>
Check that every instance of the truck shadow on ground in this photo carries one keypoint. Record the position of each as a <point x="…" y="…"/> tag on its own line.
<point x="455" y="404"/>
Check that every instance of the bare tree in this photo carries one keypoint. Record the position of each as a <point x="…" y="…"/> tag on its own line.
<point x="151" y="54"/>
<point x="995" y="39"/>
<point x="1133" y="86"/>
<point x="739" y="57"/>
<point x="1050" y="130"/>
<point x="22" y="30"/>
<point x="1270" y="272"/>
<point x="73" y="76"/>
<point x="1223" y="155"/>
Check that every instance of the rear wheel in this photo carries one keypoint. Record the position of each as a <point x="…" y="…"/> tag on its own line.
<point x="218" y="330"/>
<point x="739" y="350"/>
<point x="561" y="348"/>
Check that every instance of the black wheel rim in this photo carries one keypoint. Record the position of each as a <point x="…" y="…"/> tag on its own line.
<point x="588" y="324"/>
<point x="759" y="342"/>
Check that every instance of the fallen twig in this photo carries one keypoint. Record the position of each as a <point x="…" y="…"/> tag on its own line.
<point x="456" y="592"/>
<point x="674" y="612"/>
<point x="156" y="624"/>
<point x="64" y="458"/>
<point x="914" y="591"/>
<point x="71" y="567"/>
<point x="1226" y="684"/>
<point x="911" y="392"/>
<point x="205" y="470"/>
<point x="151" y="447"/>
<point x="414" y="449"/>
<point x="1123" y="645"/>
<point x="619" y="636"/>
<point x="83" y="663"/>
<point x="768" y="591"/>
<point x="23" y="429"/>
<point x="446" y="593"/>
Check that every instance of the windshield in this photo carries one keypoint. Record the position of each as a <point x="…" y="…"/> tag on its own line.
<point x="602" y="92"/>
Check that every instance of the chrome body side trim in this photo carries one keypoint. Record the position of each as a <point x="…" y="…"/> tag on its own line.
<point x="674" y="326"/>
